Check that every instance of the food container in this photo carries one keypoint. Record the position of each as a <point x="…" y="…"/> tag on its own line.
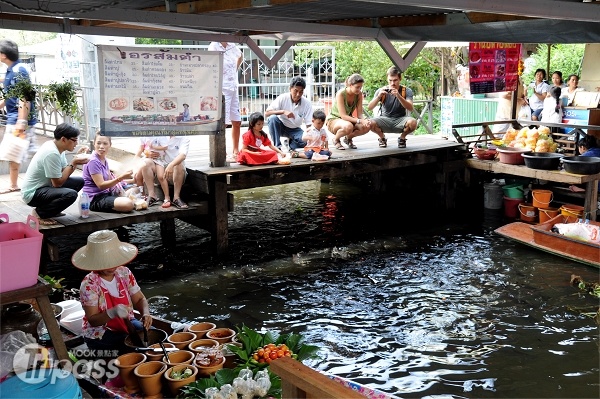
<point x="486" y="154"/>
<point x="20" y="251"/>
<point x="73" y="322"/>
<point x="582" y="165"/>
<point x="542" y="160"/>
<point x="511" y="155"/>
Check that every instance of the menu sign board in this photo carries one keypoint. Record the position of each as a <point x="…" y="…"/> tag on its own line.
<point x="493" y="67"/>
<point x="159" y="91"/>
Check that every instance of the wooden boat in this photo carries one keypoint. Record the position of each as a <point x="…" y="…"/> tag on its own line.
<point x="542" y="237"/>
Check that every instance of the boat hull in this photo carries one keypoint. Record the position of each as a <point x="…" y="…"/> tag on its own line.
<point x="541" y="237"/>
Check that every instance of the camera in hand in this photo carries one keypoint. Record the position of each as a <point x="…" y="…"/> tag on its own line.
<point x="387" y="90"/>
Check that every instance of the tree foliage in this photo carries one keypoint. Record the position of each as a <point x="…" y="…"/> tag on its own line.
<point x="165" y="42"/>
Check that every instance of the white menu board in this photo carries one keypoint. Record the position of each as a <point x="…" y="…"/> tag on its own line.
<point x="159" y="91"/>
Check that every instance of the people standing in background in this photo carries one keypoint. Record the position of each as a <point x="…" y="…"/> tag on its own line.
<point x="552" y="111"/>
<point x="286" y="114"/>
<point x="232" y="59"/>
<point x="49" y="187"/>
<point x="341" y="121"/>
<point x="571" y="88"/>
<point x="537" y="93"/>
<point x="20" y="113"/>
<point x="557" y="80"/>
<point x="396" y="104"/>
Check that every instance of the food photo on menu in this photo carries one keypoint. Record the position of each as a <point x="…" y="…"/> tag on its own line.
<point x="167" y="104"/>
<point x="143" y="104"/>
<point x="118" y="104"/>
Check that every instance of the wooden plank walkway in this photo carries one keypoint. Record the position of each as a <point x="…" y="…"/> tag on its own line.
<point x="208" y="188"/>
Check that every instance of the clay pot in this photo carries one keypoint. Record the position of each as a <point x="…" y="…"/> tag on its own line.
<point x="20" y="316"/>
<point x="221" y="335"/>
<point x="195" y="346"/>
<point x="175" y="384"/>
<point x="150" y="378"/>
<point x="126" y="364"/>
<point x="200" y="329"/>
<point x="157" y="356"/>
<point x="181" y="339"/>
<point x="205" y="371"/>
<point x="179" y="357"/>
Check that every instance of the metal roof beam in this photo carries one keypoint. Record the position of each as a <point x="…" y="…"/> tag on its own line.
<point x="401" y="62"/>
<point x="548" y="9"/>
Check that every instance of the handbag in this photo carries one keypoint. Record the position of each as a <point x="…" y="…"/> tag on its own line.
<point x="13" y="148"/>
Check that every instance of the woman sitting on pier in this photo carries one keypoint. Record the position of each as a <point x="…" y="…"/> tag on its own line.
<point x="106" y="191"/>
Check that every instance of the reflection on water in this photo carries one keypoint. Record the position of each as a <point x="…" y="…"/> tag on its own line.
<point x="413" y="306"/>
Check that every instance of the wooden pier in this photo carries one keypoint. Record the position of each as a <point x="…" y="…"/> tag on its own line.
<point x="208" y="189"/>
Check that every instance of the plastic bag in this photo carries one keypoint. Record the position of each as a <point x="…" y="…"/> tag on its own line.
<point x="13" y="148"/>
<point x="10" y="344"/>
<point x="286" y="160"/>
<point x="580" y="231"/>
<point x="524" y="113"/>
<point x="318" y="157"/>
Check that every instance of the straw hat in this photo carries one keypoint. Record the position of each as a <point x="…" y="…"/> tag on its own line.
<point x="103" y="251"/>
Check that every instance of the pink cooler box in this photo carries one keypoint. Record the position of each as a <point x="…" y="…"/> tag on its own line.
<point x="20" y="250"/>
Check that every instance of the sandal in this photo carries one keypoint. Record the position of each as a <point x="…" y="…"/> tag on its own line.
<point x="179" y="204"/>
<point x="152" y="201"/>
<point x="382" y="142"/>
<point x="338" y="145"/>
<point x="401" y="143"/>
<point x="166" y="204"/>
<point x="349" y="143"/>
<point x="294" y="154"/>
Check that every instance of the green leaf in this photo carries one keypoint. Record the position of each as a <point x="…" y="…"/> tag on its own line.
<point x="308" y="352"/>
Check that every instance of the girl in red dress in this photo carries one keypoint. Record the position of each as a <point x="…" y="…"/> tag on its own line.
<point x="254" y="141"/>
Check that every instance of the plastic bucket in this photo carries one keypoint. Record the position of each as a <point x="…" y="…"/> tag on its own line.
<point x="541" y="198"/>
<point x="527" y="212"/>
<point x="511" y="207"/>
<point x="513" y="191"/>
<point x="547" y="214"/>
<point x="571" y="210"/>
<point x="492" y="196"/>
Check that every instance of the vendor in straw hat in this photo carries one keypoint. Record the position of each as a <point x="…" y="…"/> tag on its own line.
<point x="109" y="293"/>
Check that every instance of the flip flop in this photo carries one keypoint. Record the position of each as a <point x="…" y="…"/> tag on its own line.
<point x="47" y="222"/>
<point x="166" y="204"/>
<point x="10" y="190"/>
<point x="179" y="204"/>
<point x="152" y="201"/>
<point x="338" y="145"/>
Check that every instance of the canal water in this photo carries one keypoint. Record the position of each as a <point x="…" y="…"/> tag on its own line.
<point x="402" y="297"/>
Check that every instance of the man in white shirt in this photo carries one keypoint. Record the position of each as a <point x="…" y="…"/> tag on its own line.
<point x="286" y="114"/>
<point x="232" y="59"/>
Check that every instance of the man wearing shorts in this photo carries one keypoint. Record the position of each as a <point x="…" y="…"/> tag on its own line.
<point x="232" y="59"/>
<point x="395" y="101"/>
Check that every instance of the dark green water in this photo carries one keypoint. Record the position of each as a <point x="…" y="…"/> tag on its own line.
<point x="399" y="296"/>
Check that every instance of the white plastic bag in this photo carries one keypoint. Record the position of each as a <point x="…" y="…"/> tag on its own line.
<point x="318" y="157"/>
<point x="13" y="148"/>
<point x="580" y="231"/>
<point x="524" y="113"/>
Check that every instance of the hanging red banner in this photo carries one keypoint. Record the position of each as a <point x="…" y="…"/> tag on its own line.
<point x="493" y="67"/>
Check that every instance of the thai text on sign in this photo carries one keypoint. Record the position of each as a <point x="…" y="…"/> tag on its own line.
<point x="493" y="67"/>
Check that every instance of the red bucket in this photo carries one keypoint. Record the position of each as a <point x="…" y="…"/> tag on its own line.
<point x="511" y="207"/>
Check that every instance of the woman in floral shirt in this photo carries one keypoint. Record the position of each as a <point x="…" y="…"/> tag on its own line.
<point x="109" y="293"/>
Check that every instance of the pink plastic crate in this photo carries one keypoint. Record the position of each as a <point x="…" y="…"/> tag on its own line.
<point x="20" y="250"/>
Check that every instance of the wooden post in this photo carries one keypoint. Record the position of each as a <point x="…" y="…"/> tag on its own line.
<point x="218" y="210"/>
